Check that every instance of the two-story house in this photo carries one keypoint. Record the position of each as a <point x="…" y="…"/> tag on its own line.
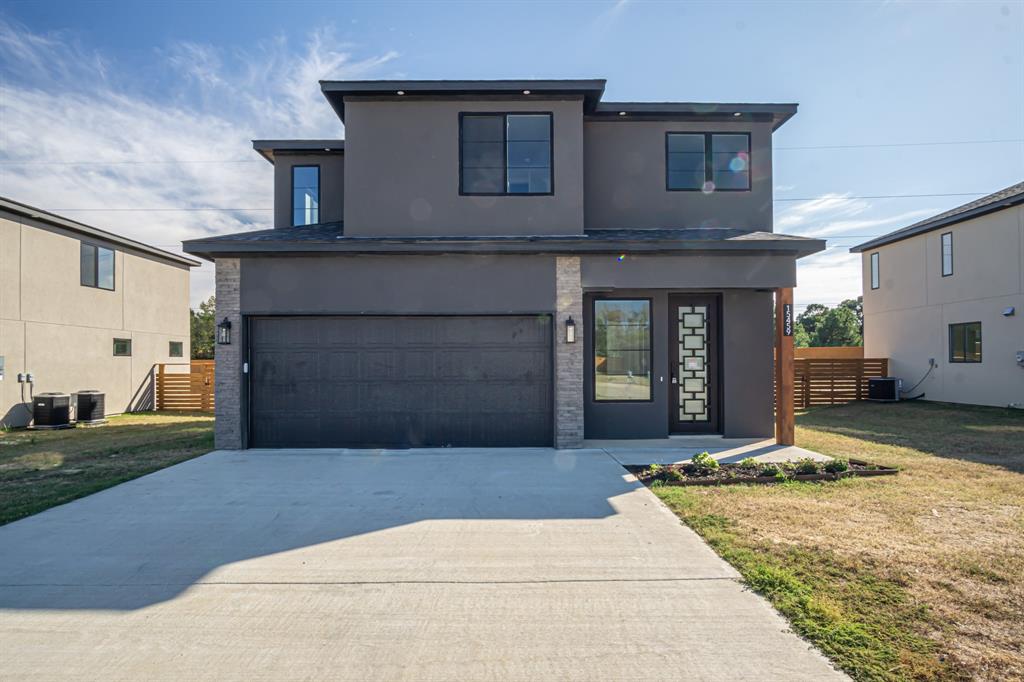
<point x="506" y="263"/>
<point x="84" y="309"/>
<point x="944" y="299"/>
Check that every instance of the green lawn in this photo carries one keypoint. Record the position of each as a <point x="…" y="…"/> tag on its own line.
<point x="915" y="576"/>
<point x="41" y="469"/>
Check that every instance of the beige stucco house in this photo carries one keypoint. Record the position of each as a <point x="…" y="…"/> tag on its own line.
<point x="944" y="301"/>
<point x="81" y="308"/>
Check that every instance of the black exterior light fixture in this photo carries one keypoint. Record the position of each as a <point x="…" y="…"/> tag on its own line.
<point x="224" y="332"/>
<point x="570" y="330"/>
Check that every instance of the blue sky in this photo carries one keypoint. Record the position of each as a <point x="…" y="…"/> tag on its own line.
<point x="108" y="105"/>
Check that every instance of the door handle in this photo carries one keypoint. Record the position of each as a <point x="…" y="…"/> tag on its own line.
<point x="674" y="380"/>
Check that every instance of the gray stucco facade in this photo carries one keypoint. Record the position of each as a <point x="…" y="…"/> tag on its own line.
<point x="399" y="240"/>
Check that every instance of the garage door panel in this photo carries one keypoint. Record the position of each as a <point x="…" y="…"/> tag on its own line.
<point x="400" y="381"/>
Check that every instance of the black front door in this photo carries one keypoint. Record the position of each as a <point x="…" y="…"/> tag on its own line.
<point x="693" y="364"/>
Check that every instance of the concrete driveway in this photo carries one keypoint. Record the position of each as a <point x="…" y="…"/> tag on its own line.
<point x="416" y="565"/>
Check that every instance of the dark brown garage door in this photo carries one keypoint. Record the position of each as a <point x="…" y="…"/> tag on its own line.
<point x="400" y="381"/>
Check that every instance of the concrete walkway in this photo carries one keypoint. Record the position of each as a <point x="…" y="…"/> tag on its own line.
<point x="678" y="449"/>
<point x="417" y="565"/>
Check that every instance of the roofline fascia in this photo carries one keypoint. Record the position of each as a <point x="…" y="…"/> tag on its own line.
<point x="798" y="249"/>
<point x="977" y="212"/>
<point x="54" y="220"/>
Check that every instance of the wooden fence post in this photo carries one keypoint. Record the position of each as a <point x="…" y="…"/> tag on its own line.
<point x="159" y="387"/>
<point x="784" y="368"/>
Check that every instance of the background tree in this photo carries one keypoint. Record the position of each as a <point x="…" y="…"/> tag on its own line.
<point x="202" y="323"/>
<point x="857" y="306"/>
<point x="838" y="327"/>
<point x="810" y="317"/>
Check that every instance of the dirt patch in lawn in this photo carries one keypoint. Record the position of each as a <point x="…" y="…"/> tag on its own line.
<point x="915" y="576"/>
<point x="41" y="469"/>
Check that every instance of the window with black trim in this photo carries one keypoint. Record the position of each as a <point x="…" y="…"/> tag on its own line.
<point x="947" y="253"/>
<point x="305" y="195"/>
<point x="505" y="154"/>
<point x="175" y="349"/>
<point x="97" y="266"/>
<point x="874" y="270"/>
<point x="622" y="350"/>
<point x="707" y="162"/>
<point x="122" y="347"/>
<point x="965" y="342"/>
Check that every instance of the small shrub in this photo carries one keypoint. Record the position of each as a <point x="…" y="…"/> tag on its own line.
<point x="673" y="474"/>
<point x="657" y="483"/>
<point x="806" y="466"/>
<point x="837" y="466"/>
<point x="749" y="463"/>
<point x="654" y="469"/>
<point x="771" y="469"/>
<point x="705" y="462"/>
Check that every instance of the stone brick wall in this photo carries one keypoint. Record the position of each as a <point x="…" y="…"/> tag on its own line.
<point x="568" y="356"/>
<point x="227" y="430"/>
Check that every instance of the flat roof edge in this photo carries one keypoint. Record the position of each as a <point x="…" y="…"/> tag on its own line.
<point x="33" y="213"/>
<point x="938" y="224"/>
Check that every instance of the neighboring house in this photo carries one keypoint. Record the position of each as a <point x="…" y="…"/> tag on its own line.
<point x="950" y="290"/>
<point x="81" y="308"/>
<point x="506" y="263"/>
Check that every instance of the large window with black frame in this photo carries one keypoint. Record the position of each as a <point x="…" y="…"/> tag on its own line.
<point x="707" y="162"/>
<point x="503" y="154"/>
<point x="622" y="350"/>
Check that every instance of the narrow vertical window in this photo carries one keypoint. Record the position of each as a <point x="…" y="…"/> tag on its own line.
<point x="88" y="257"/>
<point x="305" y="195"/>
<point x="874" y="271"/>
<point x="947" y="254"/>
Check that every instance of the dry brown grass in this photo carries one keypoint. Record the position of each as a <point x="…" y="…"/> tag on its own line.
<point x="947" y="533"/>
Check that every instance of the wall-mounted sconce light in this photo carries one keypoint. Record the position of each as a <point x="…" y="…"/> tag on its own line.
<point x="224" y="332"/>
<point x="570" y="330"/>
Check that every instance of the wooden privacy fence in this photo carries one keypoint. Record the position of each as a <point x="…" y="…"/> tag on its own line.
<point x="831" y="381"/>
<point x="185" y="386"/>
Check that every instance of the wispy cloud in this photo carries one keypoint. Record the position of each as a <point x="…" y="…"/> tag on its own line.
<point x="76" y="136"/>
<point x="834" y="274"/>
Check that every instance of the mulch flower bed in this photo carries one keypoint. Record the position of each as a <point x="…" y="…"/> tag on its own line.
<point x="703" y="470"/>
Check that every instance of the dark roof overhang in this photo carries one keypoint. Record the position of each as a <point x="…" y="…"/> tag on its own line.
<point x="1004" y="198"/>
<point x="777" y="114"/>
<point x="33" y="213"/>
<point x="267" y="148"/>
<point x="590" y="90"/>
<point x="329" y="238"/>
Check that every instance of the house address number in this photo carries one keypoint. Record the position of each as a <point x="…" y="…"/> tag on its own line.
<point x="787" y="319"/>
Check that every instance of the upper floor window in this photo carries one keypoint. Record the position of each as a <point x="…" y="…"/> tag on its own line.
<point x="305" y="195"/>
<point x="97" y="266"/>
<point x="965" y="342"/>
<point x="707" y="162"/>
<point x="947" y="254"/>
<point x="505" y="154"/>
<point x="175" y="348"/>
<point x="874" y="270"/>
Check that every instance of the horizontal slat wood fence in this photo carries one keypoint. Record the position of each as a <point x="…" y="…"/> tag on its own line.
<point x="185" y="386"/>
<point x="818" y="381"/>
<point x="830" y="352"/>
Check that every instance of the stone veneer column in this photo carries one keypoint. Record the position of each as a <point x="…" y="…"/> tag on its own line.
<point x="227" y="429"/>
<point x="568" y="356"/>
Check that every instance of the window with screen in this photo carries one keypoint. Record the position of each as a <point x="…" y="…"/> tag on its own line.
<point x="965" y="342"/>
<point x="874" y="271"/>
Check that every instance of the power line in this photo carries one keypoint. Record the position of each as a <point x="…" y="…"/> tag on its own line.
<point x="900" y="144"/>
<point x="886" y="196"/>
<point x="795" y="148"/>
<point x="822" y="198"/>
